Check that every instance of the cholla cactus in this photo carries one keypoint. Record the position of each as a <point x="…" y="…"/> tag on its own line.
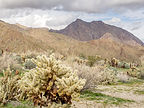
<point x="9" y="89"/>
<point x="80" y="61"/>
<point x="51" y="82"/>
<point x="106" y="76"/>
<point x="114" y="62"/>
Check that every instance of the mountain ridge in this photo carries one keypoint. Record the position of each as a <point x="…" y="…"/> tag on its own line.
<point x="86" y="31"/>
<point x="14" y="38"/>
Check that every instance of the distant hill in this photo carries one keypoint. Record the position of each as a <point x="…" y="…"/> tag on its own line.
<point x="86" y="31"/>
<point x="14" y="39"/>
<point x="18" y="38"/>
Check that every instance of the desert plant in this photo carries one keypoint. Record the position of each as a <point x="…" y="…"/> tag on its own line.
<point x="120" y="64"/>
<point x="9" y="89"/>
<point x="106" y="75"/>
<point x="5" y="60"/>
<point x="127" y="66"/>
<point x="29" y="64"/>
<point x="80" y="61"/>
<point x="82" y="56"/>
<point x="51" y="83"/>
<point x="18" y="59"/>
<point x="141" y="74"/>
<point x="95" y="75"/>
<point x="88" y="73"/>
<point x="133" y="73"/>
<point x="91" y="60"/>
<point x="114" y="62"/>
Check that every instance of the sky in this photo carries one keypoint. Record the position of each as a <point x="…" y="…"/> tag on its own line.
<point x="57" y="14"/>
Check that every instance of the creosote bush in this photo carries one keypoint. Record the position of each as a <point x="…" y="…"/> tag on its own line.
<point x="51" y="84"/>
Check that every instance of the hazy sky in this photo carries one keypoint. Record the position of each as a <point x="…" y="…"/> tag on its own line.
<point x="56" y="14"/>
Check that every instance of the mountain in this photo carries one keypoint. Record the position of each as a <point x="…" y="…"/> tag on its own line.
<point x="86" y="31"/>
<point x="18" y="38"/>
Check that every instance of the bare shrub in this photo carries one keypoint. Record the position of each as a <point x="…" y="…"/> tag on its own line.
<point x="6" y="60"/>
<point x="95" y="75"/>
<point x="123" y="77"/>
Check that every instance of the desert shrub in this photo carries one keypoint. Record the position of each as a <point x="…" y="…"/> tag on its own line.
<point x="29" y="64"/>
<point x="141" y="74"/>
<point x="51" y="83"/>
<point x="95" y="75"/>
<point x="120" y="64"/>
<point x="9" y="89"/>
<point x="123" y="77"/>
<point x="60" y="56"/>
<point x="82" y="56"/>
<point x="30" y="56"/>
<point x="80" y="61"/>
<point x="91" y="60"/>
<point x="18" y="59"/>
<point x="88" y="73"/>
<point x="114" y="62"/>
<point x="127" y="66"/>
<point x="106" y="75"/>
<point x="133" y="73"/>
<point x="5" y="60"/>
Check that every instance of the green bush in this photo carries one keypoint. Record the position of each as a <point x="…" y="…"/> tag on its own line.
<point x="18" y="59"/>
<point x="82" y="56"/>
<point x="127" y="66"/>
<point x="91" y="61"/>
<point x="29" y="64"/>
<point x="120" y="64"/>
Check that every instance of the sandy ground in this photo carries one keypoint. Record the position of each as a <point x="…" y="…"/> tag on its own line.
<point x="121" y="91"/>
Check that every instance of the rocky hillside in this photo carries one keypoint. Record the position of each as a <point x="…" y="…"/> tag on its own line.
<point x="17" y="38"/>
<point x="86" y="31"/>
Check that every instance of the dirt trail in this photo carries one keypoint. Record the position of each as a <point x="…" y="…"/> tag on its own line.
<point x="120" y="91"/>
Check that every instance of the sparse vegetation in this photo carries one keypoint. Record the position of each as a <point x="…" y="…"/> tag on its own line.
<point x="102" y="98"/>
<point x="141" y="92"/>
<point x="29" y="64"/>
<point x="28" y="76"/>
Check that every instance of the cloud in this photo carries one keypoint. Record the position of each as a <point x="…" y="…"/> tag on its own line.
<point x="38" y="18"/>
<point x="114" y="20"/>
<point x="57" y="14"/>
<point x="74" y="5"/>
